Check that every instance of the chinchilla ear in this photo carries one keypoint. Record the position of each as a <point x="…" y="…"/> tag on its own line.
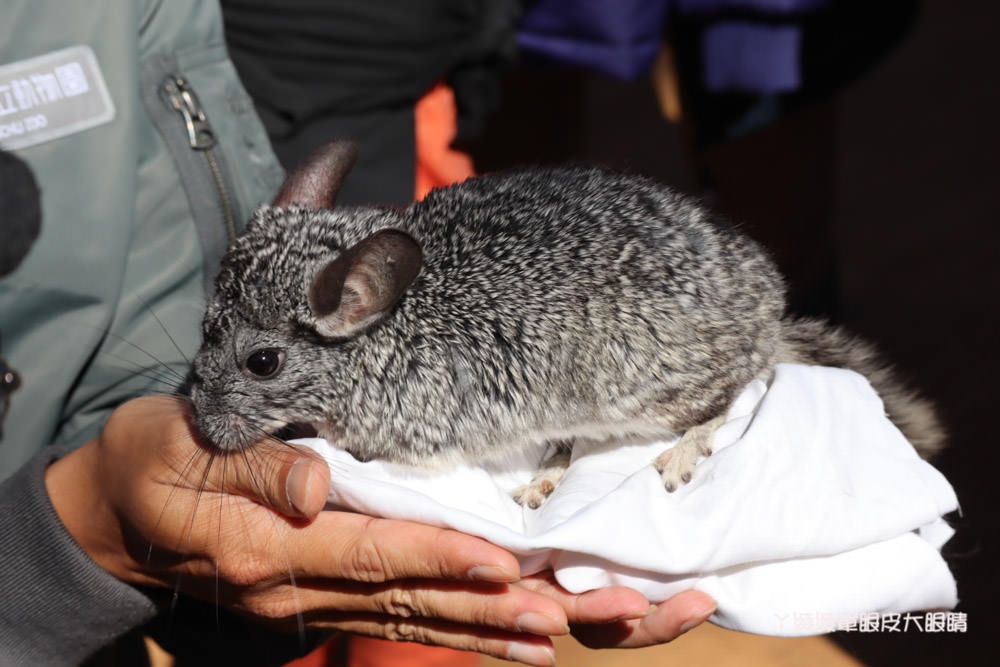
<point x="361" y="285"/>
<point x="317" y="179"/>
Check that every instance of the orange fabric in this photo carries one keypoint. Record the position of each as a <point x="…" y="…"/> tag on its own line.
<point x="369" y="652"/>
<point x="329" y="654"/>
<point x="438" y="164"/>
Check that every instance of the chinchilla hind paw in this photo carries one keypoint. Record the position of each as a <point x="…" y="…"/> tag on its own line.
<point x="676" y="465"/>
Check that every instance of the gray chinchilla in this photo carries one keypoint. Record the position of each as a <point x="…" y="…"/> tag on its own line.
<point x="536" y="305"/>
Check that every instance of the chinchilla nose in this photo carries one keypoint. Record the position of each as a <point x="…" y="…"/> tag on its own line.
<point x="222" y="430"/>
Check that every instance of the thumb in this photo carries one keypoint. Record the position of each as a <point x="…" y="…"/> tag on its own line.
<point x="292" y="481"/>
<point x="307" y="485"/>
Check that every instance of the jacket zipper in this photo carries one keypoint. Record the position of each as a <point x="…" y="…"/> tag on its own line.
<point x="201" y="138"/>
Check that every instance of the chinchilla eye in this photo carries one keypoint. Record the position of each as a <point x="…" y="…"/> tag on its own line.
<point x="264" y="363"/>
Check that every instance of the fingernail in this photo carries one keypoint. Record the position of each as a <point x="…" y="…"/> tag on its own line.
<point x="297" y="484"/>
<point x="532" y="654"/>
<point x="540" y="624"/>
<point x="493" y="573"/>
<point x="698" y="615"/>
<point x="636" y="615"/>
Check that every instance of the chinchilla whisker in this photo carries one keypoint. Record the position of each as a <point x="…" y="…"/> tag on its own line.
<point x="220" y="542"/>
<point x="133" y="366"/>
<point x="160" y="363"/>
<point x="299" y="619"/>
<point x="172" y="396"/>
<point x="284" y="443"/>
<point x="166" y="504"/>
<point x="190" y="528"/>
<point x="272" y="438"/>
<point x="169" y="370"/>
<point x="156" y="378"/>
<point x="166" y="332"/>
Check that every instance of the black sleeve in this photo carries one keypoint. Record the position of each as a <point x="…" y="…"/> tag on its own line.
<point x="57" y="606"/>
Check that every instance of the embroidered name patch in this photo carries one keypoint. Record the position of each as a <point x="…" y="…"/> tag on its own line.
<point x="51" y="96"/>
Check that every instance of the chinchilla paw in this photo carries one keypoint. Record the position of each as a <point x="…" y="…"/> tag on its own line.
<point x="534" y="494"/>
<point x="676" y="465"/>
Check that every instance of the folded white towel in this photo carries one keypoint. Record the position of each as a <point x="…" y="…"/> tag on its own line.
<point x="812" y="504"/>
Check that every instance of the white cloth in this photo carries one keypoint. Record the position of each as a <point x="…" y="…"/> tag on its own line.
<point x="812" y="504"/>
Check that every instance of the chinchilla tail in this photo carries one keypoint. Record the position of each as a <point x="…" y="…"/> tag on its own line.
<point x="813" y="341"/>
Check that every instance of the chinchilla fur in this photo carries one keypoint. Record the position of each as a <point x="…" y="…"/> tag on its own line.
<point x="550" y="304"/>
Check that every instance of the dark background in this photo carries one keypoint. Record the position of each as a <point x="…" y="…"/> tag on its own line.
<point x="882" y="205"/>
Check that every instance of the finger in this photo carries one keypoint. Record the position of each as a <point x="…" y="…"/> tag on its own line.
<point x="293" y="481"/>
<point x="525" y="648"/>
<point x="490" y="606"/>
<point x="667" y="621"/>
<point x="603" y="605"/>
<point x="345" y="545"/>
<point x="307" y="486"/>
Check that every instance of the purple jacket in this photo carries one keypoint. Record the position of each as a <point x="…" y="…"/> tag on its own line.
<point x="747" y="46"/>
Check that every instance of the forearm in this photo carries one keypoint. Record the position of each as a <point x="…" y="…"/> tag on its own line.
<point x="57" y="605"/>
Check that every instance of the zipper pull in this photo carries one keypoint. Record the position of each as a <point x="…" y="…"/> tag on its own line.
<point x="181" y="97"/>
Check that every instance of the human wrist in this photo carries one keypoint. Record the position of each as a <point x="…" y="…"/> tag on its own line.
<point x="78" y="494"/>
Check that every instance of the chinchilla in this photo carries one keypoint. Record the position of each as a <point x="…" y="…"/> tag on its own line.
<point x="540" y="305"/>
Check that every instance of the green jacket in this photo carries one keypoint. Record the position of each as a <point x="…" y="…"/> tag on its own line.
<point x="134" y="219"/>
<point x="140" y="195"/>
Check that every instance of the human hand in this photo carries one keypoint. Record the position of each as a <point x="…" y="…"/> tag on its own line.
<point x="245" y="530"/>
<point x="620" y="617"/>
